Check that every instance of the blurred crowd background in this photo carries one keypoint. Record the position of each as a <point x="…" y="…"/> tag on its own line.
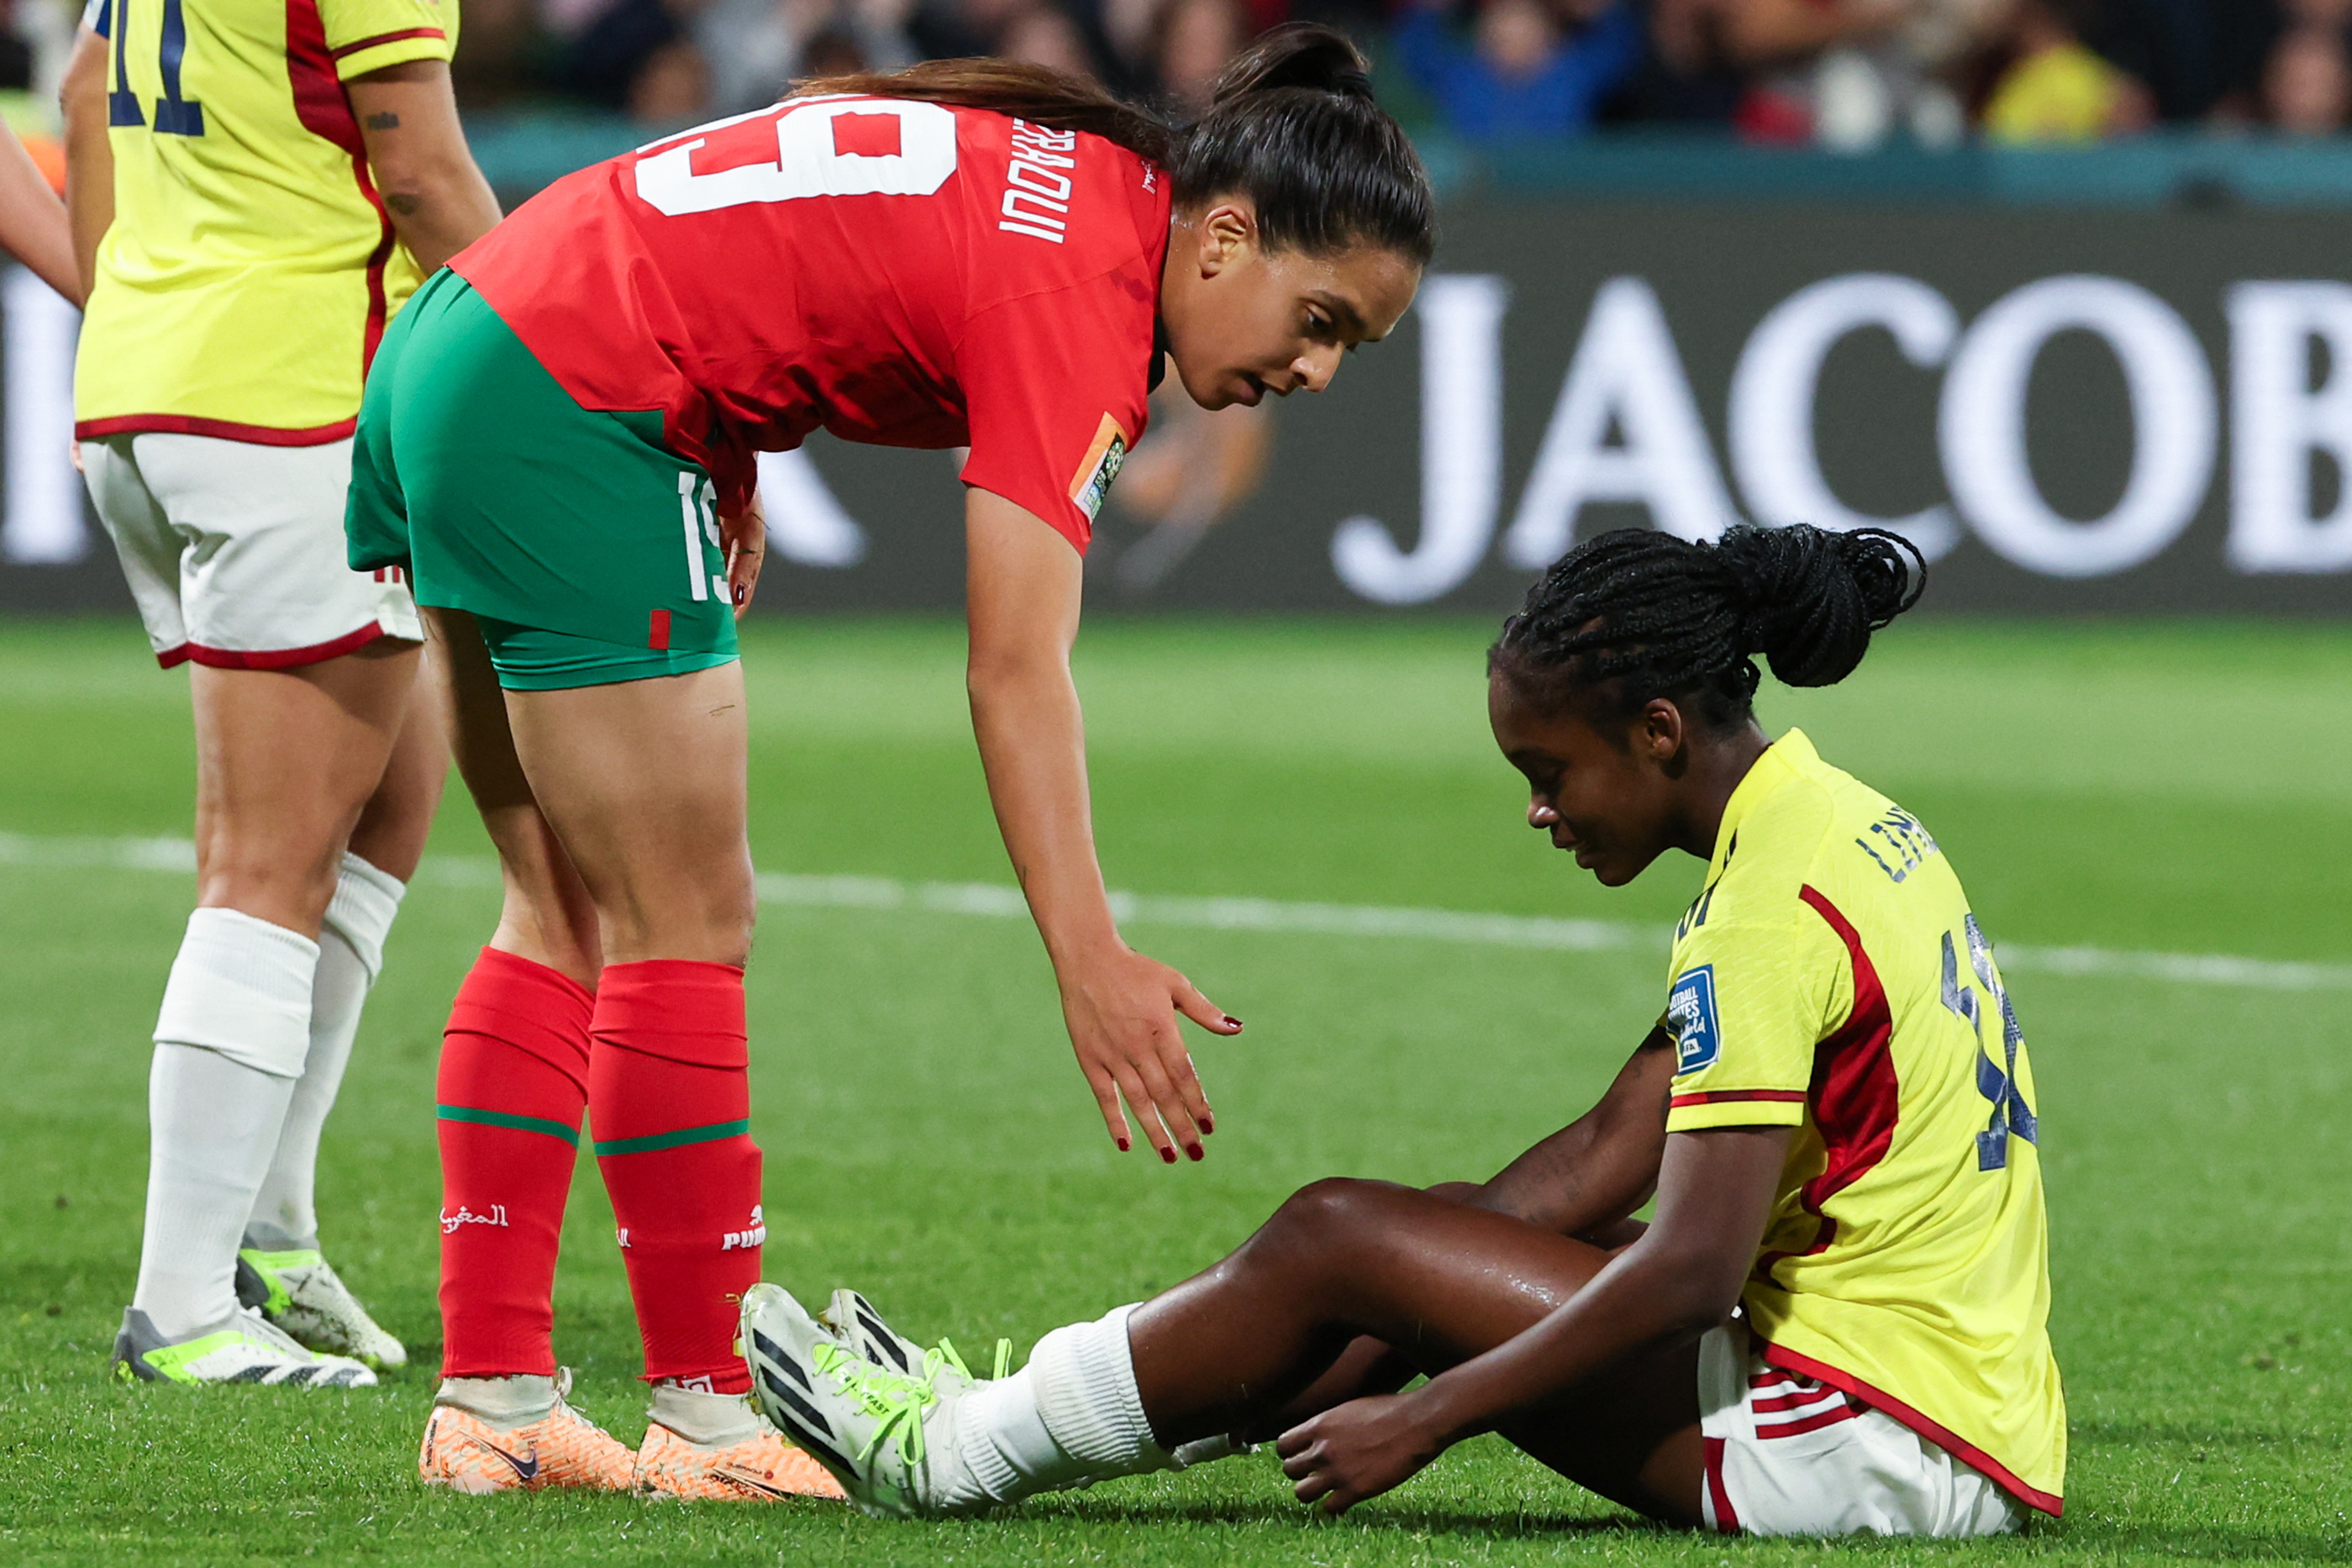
<point x="1844" y="74"/>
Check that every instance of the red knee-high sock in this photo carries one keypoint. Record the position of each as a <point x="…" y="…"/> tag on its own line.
<point x="670" y="1099"/>
<point x="513" y="1080"/>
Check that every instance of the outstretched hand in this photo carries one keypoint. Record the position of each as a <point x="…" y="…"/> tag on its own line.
<point x="1121" y="1008"/>
<point x="745" y="540"/>
<point x="1356" y="1451"/>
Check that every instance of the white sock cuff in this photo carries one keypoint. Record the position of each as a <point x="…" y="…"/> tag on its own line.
<point x="241" y="986"/>
<point x="504" y="1402"/>
<point x="361" y="910"/>
<point x="1084" y="1376"/>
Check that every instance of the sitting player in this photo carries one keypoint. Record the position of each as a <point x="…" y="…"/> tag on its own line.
<point x="1835" y="1322"/>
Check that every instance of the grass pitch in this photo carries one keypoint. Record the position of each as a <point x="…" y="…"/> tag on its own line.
<point x="2137" y="789"/>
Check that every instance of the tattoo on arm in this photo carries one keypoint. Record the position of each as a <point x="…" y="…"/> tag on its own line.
<point x="385" y="121"/>
<point x="405" y="205"/>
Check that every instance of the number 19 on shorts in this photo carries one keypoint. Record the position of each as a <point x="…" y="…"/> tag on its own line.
<point x="697" y="510"/>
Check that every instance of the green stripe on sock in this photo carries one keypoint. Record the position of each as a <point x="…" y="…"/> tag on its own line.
<point x="520" y="1123"/>
<point x="678" y="1140"/>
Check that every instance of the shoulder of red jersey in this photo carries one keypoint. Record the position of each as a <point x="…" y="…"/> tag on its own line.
<point x="1058" y="207"/>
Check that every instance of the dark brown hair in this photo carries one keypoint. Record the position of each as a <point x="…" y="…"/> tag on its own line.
<point x="1292" y="125"/>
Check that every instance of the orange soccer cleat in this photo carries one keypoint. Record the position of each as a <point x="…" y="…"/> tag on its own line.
<point x="763" y="1467"/>
<point x="466" y="1452"/>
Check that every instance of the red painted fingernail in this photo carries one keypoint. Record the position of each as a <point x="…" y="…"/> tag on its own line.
<point x="1168" y="1155"/>
<point x="1123" y="1145"/>
<point x="1208" y="1125"/>
<point x="1233" y="1022"/>
<point x="1194" y="1150"/>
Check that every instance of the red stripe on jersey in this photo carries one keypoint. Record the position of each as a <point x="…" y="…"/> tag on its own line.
<point x="1967" y="1453"/>
<point x="1813" y="1423"/>
<point x="371" y="43"/>
<point x="1727" y="1519"/>
<point x="1726" y="1096"/>
<point x="325" y="110"/>
<point x="269" y="657"/>
<point x="219" y="429"/>
<point x="658" y="633"/>
<point x="1855" y="1095"/>
<point x="1855" y="1100"/>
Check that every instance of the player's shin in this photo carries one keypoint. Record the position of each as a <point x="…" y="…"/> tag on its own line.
<point x="351" y="955"/>
<point x="514" y="1082"/>
<point x="669" y="1098"/>
<point x="229" y="1043"/>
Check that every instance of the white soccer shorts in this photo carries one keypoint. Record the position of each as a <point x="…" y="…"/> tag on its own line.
<point x="1787" y="1456"/>
<point x="234" y="550"/>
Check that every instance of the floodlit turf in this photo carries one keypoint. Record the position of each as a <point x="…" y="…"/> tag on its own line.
<point x="2175" y="789"/>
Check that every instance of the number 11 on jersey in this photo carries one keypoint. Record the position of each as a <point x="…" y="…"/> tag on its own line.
<point x="174" y="115"/>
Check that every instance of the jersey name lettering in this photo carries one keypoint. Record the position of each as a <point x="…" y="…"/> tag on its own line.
<point x="1901" y="846"/>
<point x="1036" y="194"/>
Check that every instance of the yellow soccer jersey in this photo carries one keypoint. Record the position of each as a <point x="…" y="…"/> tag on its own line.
<point x="251" y="265"/>
<point x="1830" y="977"/>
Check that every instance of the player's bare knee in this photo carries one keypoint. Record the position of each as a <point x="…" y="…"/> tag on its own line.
<point x="1320" y="1215"/>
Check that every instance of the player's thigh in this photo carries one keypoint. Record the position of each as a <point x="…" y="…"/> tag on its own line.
<point x="264" y="581"/>
<point x="286" y="761"/>
<point x="393" y="826"/>
<point x="1443" y="1281"/>
<point x="644" y="781"/>
<point x="1631" y="1435"/>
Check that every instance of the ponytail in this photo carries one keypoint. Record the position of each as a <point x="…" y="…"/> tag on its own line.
<point x="1660" y="617"/>
<point x="1292" y="125"/>
<point x="1038" y="94"/>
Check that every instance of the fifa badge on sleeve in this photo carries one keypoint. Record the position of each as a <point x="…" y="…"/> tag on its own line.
<point x="1690" y="1016"/>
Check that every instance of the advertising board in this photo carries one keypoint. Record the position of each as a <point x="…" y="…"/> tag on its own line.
<point x="2069" y="410"/>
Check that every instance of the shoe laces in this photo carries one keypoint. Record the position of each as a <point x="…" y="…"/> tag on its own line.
<point x="256" y="1327"/>
<point x="897" y="1399"/>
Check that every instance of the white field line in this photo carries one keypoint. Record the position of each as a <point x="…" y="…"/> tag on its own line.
<point x="997" y="901"/>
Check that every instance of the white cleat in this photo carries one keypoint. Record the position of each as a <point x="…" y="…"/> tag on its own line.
<point x="242" y="1348"/>
<point x="856" y="1324"/>
<point x="888" y="1436"/>
<point x="299" y="1290"/>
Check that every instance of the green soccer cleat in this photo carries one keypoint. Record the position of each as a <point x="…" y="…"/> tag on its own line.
<point x="299" y="1290"/>
<point x="888" y="1436"/>
<point x="244" y="1348"/>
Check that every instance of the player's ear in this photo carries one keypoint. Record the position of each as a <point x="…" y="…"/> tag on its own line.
<point x="1658" y="733"/>
<point x="1228" y="232"/>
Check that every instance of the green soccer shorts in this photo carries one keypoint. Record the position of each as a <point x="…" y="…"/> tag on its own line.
<point x="587" y="551"/>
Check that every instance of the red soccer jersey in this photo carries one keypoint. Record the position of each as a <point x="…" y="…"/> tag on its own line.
<point x="898" y="272"/>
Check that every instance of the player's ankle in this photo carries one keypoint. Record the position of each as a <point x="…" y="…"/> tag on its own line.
<point x="513" y="1400"/>
<point x="699" y="1415"/>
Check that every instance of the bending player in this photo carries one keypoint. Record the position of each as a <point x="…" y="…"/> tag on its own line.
<point x="1835" y="1324"/>
<point x="255" y="184"/>
<point x="969" y="252"/>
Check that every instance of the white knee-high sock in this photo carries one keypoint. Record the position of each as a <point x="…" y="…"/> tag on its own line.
<point x="351" y="955"/>
<point x="1069" y="1418"/>
<point x="229" y="1043"/>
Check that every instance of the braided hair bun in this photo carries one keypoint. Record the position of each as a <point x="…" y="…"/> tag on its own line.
<point x="1810" y="598"/>
<point x="1661" y="616"/>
